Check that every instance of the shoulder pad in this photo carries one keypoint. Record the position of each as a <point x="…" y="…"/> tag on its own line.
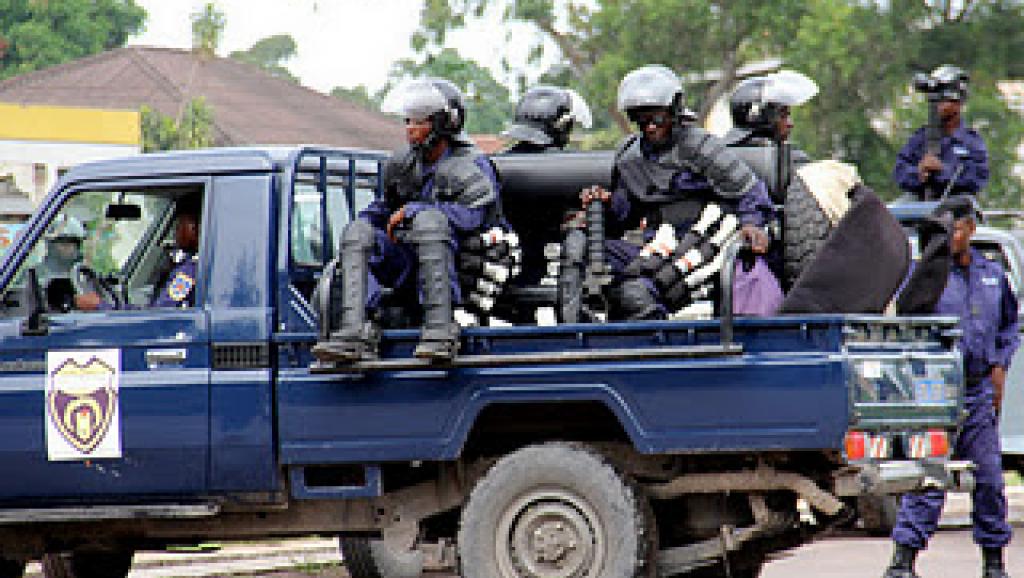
<point x="401" y="176"/>
<point x="709" y="156"/>
<point x="459" y="179"/>
<point x="631" y="141"/>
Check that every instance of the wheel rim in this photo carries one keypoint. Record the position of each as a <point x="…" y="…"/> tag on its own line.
<point x="550" y="533"/>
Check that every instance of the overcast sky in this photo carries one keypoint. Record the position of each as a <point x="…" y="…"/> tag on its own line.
<point x="340" y="42"/>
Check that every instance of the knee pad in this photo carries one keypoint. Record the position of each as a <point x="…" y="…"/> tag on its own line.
<point x="429" y="226"/>
<point x="357" y="235"/>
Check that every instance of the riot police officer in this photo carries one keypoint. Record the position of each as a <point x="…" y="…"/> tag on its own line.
<point x="760" y="109"/>
<point x="978" y="293"/>
<point x="437" y="192"/>
<point x="958" y="162"/>
<point x="666" y="174"/>
<point x="63" y="247"/>
<point x="545" y="117"/>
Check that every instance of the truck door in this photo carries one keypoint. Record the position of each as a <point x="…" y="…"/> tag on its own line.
<point x="113" y="401"/>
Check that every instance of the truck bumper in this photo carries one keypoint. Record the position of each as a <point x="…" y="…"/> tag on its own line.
<point x="902" y="476"/>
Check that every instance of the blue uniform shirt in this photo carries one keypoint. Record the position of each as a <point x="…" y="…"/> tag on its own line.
<point x="463" y="219"/>
<point x="980" y="296"/>
<point x="180" y="288"/>
<point x="963" y="148"/>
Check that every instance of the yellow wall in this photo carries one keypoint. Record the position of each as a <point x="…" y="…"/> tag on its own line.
<point x="65" y="124"/>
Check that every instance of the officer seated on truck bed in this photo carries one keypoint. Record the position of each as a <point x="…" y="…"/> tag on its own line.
<point x="177" y="289"/>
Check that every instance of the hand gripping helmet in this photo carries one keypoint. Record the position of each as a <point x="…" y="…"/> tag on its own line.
<point x="434" y="98"/>
<point x="546" y="115"/>
<point x="757" y="103"/>
<point x="651" y="86"/>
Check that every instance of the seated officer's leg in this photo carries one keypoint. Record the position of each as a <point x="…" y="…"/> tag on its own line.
<point x="432" y="236"/>
<point x="635" y="297"/>
<point x="356" y="338"/>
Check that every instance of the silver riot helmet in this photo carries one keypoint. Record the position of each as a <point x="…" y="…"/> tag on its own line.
<point x="546" y="115"/>
<point x="651" y="86"/>
<point x="436" y="99"/>
<point x="757" y="103"/>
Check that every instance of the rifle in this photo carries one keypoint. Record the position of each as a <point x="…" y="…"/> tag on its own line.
<point x="933" y="144"/>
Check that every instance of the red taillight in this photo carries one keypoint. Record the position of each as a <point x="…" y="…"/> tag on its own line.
<point x="856" y="443"/>
<point x="938" y="442"/>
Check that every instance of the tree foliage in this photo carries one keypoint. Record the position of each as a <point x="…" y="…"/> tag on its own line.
<point x="488" y="106"/>
<point x="359" y="95"/>
<point x="193" y="129"/>
<point x="207" y="28"/>
<point x="862" y="54"/>
<point x="36" y="34"/>
<point x="271" y="54"/>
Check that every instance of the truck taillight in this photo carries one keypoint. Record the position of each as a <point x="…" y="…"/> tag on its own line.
<point x="856" y="443"/>
<point x="931" y="444"/>
<point x="861" y="445"/>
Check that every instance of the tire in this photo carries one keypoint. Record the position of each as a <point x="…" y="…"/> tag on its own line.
<point x="806" y="227"/>
<point x="878" y="514"/>
<point x="11" y="568"/>
<point x="556" y="507"/>
<point x="367" y="558"/>
<point x="87" y="564"/>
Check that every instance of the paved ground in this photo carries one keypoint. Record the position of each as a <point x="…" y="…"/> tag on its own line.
<point x="952" y="555"/>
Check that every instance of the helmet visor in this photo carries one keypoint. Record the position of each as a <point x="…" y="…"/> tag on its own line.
<point x="650" y="86"/>
<point x="788" y="88"/>
<point x="580" y="111"/>
<point x="525" y="132"/>
<point x="414" y="99"/>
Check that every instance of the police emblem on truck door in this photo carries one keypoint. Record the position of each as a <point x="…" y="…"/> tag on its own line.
<point x="82" y="418"/>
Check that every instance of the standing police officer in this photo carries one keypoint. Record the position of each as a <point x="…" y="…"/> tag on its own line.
<point x="960" y="164"/>
<point x="437" y="192"/>
<point x="978" y="293"/>
<point x="544" y="119"/>
<point x="666" y="174"/>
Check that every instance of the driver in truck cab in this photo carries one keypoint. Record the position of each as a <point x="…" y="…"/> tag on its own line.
<point x="977" y="292"/>
<point x="63" y="252"/>
<point x="178" y="288"/>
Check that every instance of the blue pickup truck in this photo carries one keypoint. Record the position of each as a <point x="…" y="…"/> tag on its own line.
<point x="607" y="449"/>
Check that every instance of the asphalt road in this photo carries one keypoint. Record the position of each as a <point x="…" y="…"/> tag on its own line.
<point x="952" y="555"/>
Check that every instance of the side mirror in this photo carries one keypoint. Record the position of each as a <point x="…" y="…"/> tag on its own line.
<point x="35" y="323"/>
<point x="123" y="212"/>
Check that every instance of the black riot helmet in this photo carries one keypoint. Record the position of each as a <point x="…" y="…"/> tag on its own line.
<point x="757" y="103"/>
<point x="546" y="115"/>
<point x="946" y="82"/>
<point x="650" y="87"/>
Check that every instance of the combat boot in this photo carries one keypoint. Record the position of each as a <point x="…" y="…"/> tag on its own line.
<point x="992" y="563"/>
<point x="637" y="302"/>
<point x="357" y="338"/>
<point x="902" y="564"/>
<point x="439" y="339"/>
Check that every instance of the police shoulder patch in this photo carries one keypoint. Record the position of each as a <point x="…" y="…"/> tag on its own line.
<point x="180" y="286"/>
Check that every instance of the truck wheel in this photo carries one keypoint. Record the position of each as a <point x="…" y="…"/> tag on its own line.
<point x="878" y="513"/>
<point x="11" y="568"/>
<point x="806" y="229"/>
<point x="88" y="564"/>
<point x="556" y="509"/>
<point x="366" y="558"/>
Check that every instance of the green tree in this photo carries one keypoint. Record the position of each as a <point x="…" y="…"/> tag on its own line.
<point x="36" y="34"/>
<point x="192" y="130"/>
<point x="357" y="94"/>
<point x="207" y="27"/>
<point x="488" y="105"/>
<point x="271" y="54"/>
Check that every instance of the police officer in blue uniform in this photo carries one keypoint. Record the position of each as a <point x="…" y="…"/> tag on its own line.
<point x="437" y="192"/>
<point x="667" y="173"/>
<point x="978" y="293"/>
<point x="961" y="166"/>
<point x="179" y="289"/>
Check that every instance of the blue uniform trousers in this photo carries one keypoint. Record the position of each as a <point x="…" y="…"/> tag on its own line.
<point x="978" y="442"/>
<point x="393" y="265"/>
